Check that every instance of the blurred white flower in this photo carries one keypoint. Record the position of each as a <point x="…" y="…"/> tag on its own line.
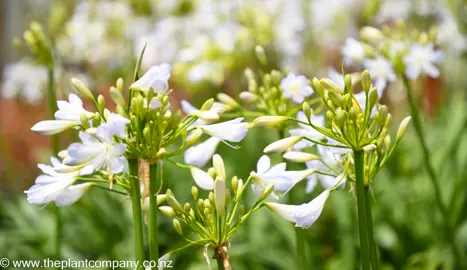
<point x="54" y="186"/>
<point x="296" y="87"/>
<point x="448" y="34"/>
<point x="307" y="131"/>
<point x="422" y="59"/>
<point x="353" y="51"/>
<point x="303" y="215"/>
<point x="24" y="79"/>
<point x="277" y="175"/>
<point x="381" y="71"/>
<point x="156" y="77"/>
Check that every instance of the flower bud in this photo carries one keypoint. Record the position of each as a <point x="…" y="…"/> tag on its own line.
<point x="282" y="145"/>
<point x="329" y="117"/>
<point x="307" y="110"/>
<point x="161" y="198"/>
<point x="348" y="83"/>
<point x="369" y="148"/>
<point x="167" y="210"/>
<point x="267" y="191"/>
<point x="177" y="226"/>
<point x="239" y="189"/>
<point x="241" y="211"/>
<point x="220" y="196"/>
<point x="366" y="81"/>
<point x="207" y="203"/>
<point x="187" y="208"/>
<point x="200" y="204"/>
<point x="330" y="85"/>
<point x="161" y="153"/>
<point x="299" y="156"/>
<point x="194" y="192"/>
<point x="120" y="85"/>
<point x="207" y="115"/>
<point x="192" y="213"/>
<point x="84" y="120"/>
<point x="212" y="173"/>
<point x="387" y="141"/>
<point x="270" y="121"/>
<point x="194" y="136"/>
<point x="372" y="98"/>
<point x="117" y="97"/>
<point x="317" y="86"/>
<point x="81" y="88"/>
<point x="383" y="115"/>
<point x="276" y="77"/>
<point x="371" y="35"/>
<point x="234" y="183"/>
<point x="101" y="102"/>
<point x="341" y="118"/>
<point x="174" y="203"/>
<point x="207" y="105"/>
<point x="403" y="128"/>
<point x="423" y="39"/>
<point x="248" y="96"/>
<point x="267" y="80"/>
<point x="336" y="98"/>
<point x="211" y="198"/>
<point x="259" y="51"/>
<point x="218" y="164"/>
<point x="226" y="99"/>
<point x="249" y="74"/>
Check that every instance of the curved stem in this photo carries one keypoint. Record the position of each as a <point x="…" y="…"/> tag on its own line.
<point x="154" y="184"/>
<point x="417" y="123"/>
<point x="52" y="100"/>
<point x="137" y="217"/>
<point x="361" y="209"/>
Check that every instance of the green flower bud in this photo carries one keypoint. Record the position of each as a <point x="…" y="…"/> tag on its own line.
<point x="348" y="83"/>
<point x="353" y="113"/>
<point x="187" y="208"/>
<point x="207" y="105"/>
<point x="239" y="189"/>
<point x="84" y="120"/>
<point x="336" y="99"/>
<point x="161" y="198"/>
<point x="194" y="192"/>
<point x="192" y="213"/>
<point x="207" y="203"/>
<point x="307" y="110"/>
<point x="317" y="86"/>
<point x="117" y="97"/>
<point x="219" y="167"/>
<point x="226" y="99"/>
<point x="403" y="128"/>
<point x="261" y="55"/>
<point x="249" y="74"/>
<point x="81" y="88"/>
<point x="330" y="85"/>
<point x="121" y="110"/>
<point x="101" y="102"/>
<point x="120" y="85"/>
<point x="174" y="203"/>
<point x="147" y="133"/>
<point x="387" y="142"/>
<point x="234" y="182"/>
<point x="270" y="121"/>
<point x="341" y="118"/>
<point x="211" y="198"/>
<point x="200" y="204"/>
<point x="383" y="112"/>
<point x="177" y="226"/>
<point x="252" y="86"/>
<point x="248" y="96"/>
<point x="267" y="79"/>
<point x="212" y="172"/>
<point x="369" y="148"/>
<point x="207" y="212"/>
<point x="366" y="81"/>
<point x="372" y="98"/>
<point x="276" y="77"/>
<point x="282" y="145"/>
<point x="167" y="210"/>
<point x="329" y="117"/>
<point x="267" y="191"/>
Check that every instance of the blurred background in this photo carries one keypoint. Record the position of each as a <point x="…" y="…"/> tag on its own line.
<point x="209" y="43"/>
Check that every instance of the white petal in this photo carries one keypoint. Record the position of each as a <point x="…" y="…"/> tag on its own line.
<point x="200" y="154"/>
<point x="155" y="104"/>
<point x="232" y="131"/>
<point x="50" y="127"/>
<point x="220" y="195"/>
<point x="187" y="107"/>
<point x="72" y="194"/>
<point x="202" y="179"/>
<point x="264" y="163"/>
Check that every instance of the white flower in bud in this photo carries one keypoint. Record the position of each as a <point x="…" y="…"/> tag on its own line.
<point x="371" y="35"/>
<point x="205" y="116"/>
<point x="202" y="178"/>
<point x="299" y="156"/>
<point x="218" y="164"/>
<point x="156" y="77"/>
<point x="71" y="110"/>
<point x="403" y="128"/>
<point x="51" y="127"/>
<point x="296" y="87"/>
<point x="55" y="186"/>
<point x="226" y="99"/>
<point x="270" y="121"/>
<point x="81" y="88"/>
<point x="422" y="59"/>
<point x="220" y="195"/>
<point x="381" y="71"/>
<point x="307" y="131"/>
<point x="200" y="154"/>
<point x="370" y="148"/>
<point x="233" y="131"/>
<point x="248" y="96"/>
<point x="282" y="145"/>
<point x="353" y="52"/>
<point x="303" y="215"/>
<point x="277" y="175"/>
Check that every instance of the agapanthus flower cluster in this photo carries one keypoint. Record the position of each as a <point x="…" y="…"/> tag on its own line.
<point x="212" y="221"/>
<point x="394" y="51"/>
<point x="328" y="143"/>
<point x="142" y="126"/>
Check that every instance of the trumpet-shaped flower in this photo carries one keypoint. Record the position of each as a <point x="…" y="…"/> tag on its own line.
<point x="71" y="110"/>
<point x="202" y="178"/>
<point x="97" y="152"/>
<point x="200" y="154"/>
<point x="116" y="124"/>
<point x="307" y="131"/>
<point x="212" y="113"/>
<point x="296" y="87"/>
<point x="381" y="71"/>
<point x="353" y="51"/>
<point x="277" y="175"/>
<point x="51" y="127"/>
<point x="233" y="131"/>
<point x="303" y="215"/>
<point x="422" y="59"/>
<point x="55" y="186"/>
<point x="156" y="77"/>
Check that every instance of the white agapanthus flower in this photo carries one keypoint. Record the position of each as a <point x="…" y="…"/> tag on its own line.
<point x="116" y="124"/>
<point x="200" y="154"/>
<point x="156" y="77"/>
<point x="422" y="59"/>
<point x="24" y="79"/>
<point x="72" y="109"/>
<point x="353" y="51"/>
<point x="332" y="157"/>
<point x="99" y="152"/>
<point x="277" y="175"/>
<point x="307" y="131"/>
<point x="381" y="71"/>
<point x="296" y="87"/>
<point x="215" y="110"/>
<point x="55" y="186"/>
<point x="303" y="215"/>
<point x="202" y="178"/>
<point x="233" y="131"/>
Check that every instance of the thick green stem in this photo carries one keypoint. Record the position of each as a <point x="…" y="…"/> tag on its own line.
<point x="52" y="100"/>
<point x="417" y="123"/>
<point x="137" y="217"/>
<point x="154" y="184"/>
<point x="369" y="225"/>
<point x="361" y="209"/>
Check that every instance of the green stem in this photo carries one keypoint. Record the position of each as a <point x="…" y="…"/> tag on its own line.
<point x="369" y="224"/>
<point x="154" y="184"/>
<point x="137" y="217"/>
<point x="417" y="123"/>
<point x="361" y="209"/>
<point x="52" y="100"/>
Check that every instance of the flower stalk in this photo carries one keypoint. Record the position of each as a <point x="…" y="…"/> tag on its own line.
<point x="154" y="184"/>
<point x="222" y="258"/>
<point x="369" y="223"/>
<point x="137" y="217"/>
<point x="417" y="123"/>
